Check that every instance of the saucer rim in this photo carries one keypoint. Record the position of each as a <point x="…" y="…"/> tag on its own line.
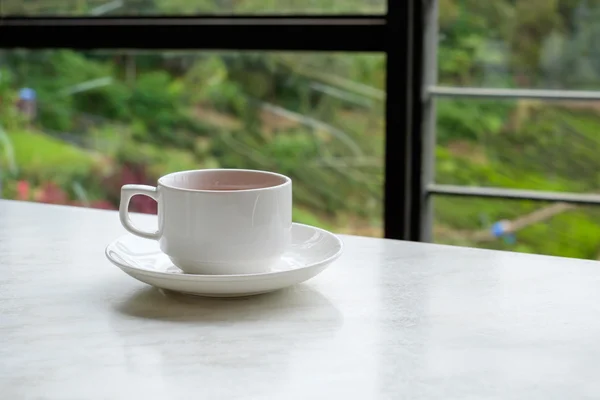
<point x="231" y="277"/>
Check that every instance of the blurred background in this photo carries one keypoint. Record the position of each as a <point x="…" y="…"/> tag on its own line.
<point x="75" y="126"/>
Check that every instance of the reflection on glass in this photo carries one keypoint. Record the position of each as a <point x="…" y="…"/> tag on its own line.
<point x="520" y="43"/>
<point x="555" y="229"/>
<point x="74" y="126"/>
<point x="97" y="8"/>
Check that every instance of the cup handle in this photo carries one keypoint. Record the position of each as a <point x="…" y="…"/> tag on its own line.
<point x="127" y="192"/>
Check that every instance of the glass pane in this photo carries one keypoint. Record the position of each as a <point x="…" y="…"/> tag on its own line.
<point x="75" y="126"/>
<point x="553" y="229"/>
<point x="520" y="43"/>
<point x="552" y="146"/>
<point x="91" y="8"/>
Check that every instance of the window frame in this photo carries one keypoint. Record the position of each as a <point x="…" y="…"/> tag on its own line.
<point x="397" y="33"/>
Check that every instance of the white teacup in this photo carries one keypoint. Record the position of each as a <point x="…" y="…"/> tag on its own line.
<point x="218" y="221"/>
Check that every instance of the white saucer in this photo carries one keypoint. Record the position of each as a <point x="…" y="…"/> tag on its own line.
<point x="311" y="251"/>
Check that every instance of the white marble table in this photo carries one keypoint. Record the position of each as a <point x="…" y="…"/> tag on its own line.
<point x="389" y="320"/>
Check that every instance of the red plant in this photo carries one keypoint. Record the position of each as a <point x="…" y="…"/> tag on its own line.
<point x="143" y="204"/>
<point x="131" y="174"/>
<point x="51" y="193"/>
<point x="22" y="190"/>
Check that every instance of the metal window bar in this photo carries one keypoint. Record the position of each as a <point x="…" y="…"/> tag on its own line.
<point x="398" y="34"/>
<point x="536" y="94"/>
<point x="403" y="119"/>
<point x="429" y="118"/>
<point x="514" y="194"/>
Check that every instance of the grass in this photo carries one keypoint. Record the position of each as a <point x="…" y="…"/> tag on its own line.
<point x="46" y="158"/>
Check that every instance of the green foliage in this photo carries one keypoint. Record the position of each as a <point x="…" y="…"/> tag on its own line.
<point x="227" y="97"/>
<point x="43" y="158"/>
<point x="180" y="7"/>
<point x="546" y="42"/>
<point x="573" y="234"/>
<point x="291" y="150"/>
<point x="304" y="216"/>
<point x="189" y="7"/>
<point x="111" y="101"/>
<point x="467" y="119"/>
<point x="10" y="118"/>
<point x="156" y="105"/>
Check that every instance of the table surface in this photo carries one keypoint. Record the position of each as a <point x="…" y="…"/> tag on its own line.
<point x="388" y="320"/>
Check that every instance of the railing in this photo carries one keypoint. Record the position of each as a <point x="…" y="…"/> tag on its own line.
<point x="431" y="92"/>
<point x="442" y="91"/>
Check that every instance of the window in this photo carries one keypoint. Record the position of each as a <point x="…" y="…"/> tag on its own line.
<point x="513" y="111"/>
<point x="97" y="94"/>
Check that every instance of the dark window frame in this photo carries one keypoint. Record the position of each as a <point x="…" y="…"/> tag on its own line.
<point x="398" y="34"/>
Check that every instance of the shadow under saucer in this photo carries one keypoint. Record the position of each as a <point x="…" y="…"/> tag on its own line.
<point x="286" y="305"/>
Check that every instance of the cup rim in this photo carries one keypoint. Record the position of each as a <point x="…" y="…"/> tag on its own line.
<point x="161" y="180"/>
